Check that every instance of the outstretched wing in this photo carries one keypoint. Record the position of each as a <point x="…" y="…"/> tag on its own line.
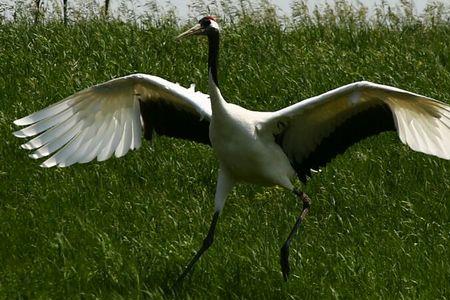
<point x="108" y="119"/>
<point x="317" y="129"/>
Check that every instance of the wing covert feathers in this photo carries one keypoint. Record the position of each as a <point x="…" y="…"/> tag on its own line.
<point x="103" y="120"/>
<point x="319" y="128"/>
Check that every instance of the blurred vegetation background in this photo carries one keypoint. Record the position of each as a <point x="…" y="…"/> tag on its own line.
<point x="380" y="221"/>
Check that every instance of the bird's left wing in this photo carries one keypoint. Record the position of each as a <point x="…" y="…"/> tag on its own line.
<point x="108" y="119"/>
<point x="315" y="130"/>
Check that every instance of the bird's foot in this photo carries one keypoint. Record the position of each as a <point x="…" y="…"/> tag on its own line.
<point x="284" y="261"/>
<point x="207" y="242"/>
<point x="284" y="252"/>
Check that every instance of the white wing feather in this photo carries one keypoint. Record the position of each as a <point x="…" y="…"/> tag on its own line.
<point x="422" y="123"/>
<point x="102" y="120"/>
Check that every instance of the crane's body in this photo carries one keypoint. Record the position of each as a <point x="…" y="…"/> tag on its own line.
<point x="246" y="151"/>
<point x="267" y="148"/>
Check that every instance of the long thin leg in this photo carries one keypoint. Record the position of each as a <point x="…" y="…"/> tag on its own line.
<point x="224" y="185"/>
<point x="207" y="242"/>
<point x="284" y="252"/>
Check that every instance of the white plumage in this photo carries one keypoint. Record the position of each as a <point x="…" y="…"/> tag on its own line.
<point x="421" y="122"/>
<point x="267" y="148"/>
<point x="105" y="119"/>
<point x="102" y="120"/>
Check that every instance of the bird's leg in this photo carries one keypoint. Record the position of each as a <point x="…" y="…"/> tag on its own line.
<point x="207" y="242"/>
<point x="284" y="252"/>
<point x="224" y="185"/>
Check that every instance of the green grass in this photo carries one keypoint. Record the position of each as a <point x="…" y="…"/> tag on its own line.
<point x="380" y="220"/>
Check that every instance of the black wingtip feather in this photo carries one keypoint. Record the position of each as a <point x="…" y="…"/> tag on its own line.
<point x="371" y="121"/>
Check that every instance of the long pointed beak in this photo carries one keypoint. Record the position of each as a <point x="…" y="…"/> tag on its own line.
<point x="197" y="29"/>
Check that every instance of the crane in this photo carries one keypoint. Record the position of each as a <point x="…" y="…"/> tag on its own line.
<point x="266" y="148"/>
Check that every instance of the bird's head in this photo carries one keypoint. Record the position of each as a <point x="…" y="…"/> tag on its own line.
<point x="206" y="26"/>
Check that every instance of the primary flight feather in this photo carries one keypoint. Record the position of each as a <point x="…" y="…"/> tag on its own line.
<point x="106" y="119"/>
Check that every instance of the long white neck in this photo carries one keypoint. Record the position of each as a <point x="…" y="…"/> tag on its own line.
<point x="218" y="103"/>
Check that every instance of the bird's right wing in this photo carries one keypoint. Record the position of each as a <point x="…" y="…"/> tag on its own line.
<point x="108" y="119"/>
<point x="315" y="130"/>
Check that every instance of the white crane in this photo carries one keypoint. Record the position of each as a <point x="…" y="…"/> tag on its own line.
<point x="267" y="148"/>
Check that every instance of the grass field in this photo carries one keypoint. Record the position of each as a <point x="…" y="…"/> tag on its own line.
<point x="380" y="221"/>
